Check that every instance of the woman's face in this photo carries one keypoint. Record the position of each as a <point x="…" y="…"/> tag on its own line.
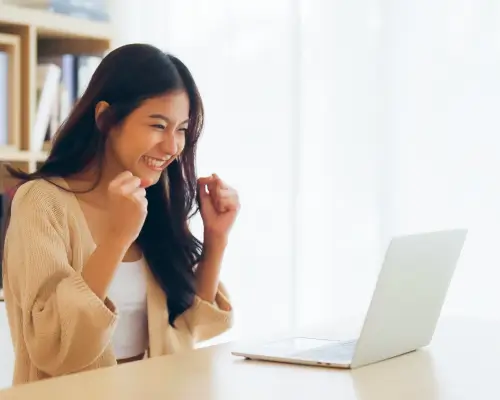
<point x="151" y="137"/>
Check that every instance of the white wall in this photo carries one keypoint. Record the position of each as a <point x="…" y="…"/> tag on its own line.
<point x="242" y="66"/>
<point x="291" y="122"/>
<point x="443" y="168"/>
<point x="341" y="123"/>
<point x="339" y="226"/>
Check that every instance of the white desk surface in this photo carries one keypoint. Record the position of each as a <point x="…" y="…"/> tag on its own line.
<point x="461" y="363"/>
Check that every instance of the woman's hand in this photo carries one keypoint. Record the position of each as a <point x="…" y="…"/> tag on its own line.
<point x="127" y="208"/>
<point x="219" y="207"/>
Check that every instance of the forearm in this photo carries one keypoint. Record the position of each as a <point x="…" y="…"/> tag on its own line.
<point x="208" y="271"/>
<point x="101" y="265"/>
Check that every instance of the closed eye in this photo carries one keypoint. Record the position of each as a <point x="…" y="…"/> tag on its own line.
<point x="183" y="130"/>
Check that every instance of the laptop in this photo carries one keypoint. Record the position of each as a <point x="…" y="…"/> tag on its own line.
<point x="403" y="312"/>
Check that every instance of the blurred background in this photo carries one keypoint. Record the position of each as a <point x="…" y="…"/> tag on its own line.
<point x="341" y="122"/>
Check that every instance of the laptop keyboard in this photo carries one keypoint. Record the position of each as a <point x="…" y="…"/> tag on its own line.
<point x="340" y="351"/>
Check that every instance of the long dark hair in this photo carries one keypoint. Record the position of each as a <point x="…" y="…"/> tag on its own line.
<point x="125" y="78"/>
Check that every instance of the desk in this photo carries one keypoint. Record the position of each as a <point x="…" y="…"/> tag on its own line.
<point x="461" y="363"/>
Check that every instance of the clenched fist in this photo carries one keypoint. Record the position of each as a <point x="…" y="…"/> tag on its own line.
<point x="127" y="207"/>
<point x="219" y="206"/>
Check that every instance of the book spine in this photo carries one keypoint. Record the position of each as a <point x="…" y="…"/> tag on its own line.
<point x="4" y="93"/>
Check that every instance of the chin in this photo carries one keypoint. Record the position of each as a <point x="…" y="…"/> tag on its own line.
<point x="155" y="180"/>
<point x="148" y="177"/>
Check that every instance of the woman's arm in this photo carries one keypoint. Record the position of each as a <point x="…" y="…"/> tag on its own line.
<point x="208" y="270"/>
<point x="125" y="199"/>
<point x="65" y="325"/>
<point x="219" y="208"/>
<point x="99" y="270"/>
<point x="211" y="314"/>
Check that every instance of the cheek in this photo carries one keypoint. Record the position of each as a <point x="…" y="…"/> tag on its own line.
<point x="130" y="143"/>
<point x="181" y="143"/>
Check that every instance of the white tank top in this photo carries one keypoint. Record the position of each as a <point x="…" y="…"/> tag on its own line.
<point x="128" y="293"/>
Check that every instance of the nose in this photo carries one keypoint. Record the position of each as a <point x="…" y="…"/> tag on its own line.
<point x="169" y="143"/>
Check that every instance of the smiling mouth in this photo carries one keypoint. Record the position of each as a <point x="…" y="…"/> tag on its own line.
<point x="156" y="164"/>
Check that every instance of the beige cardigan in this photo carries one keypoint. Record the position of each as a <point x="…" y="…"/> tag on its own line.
<point x="58" y="325"/>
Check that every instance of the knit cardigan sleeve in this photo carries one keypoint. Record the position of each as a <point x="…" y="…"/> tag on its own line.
<point x="66" y="326"/>
<point x="206" y="320"/>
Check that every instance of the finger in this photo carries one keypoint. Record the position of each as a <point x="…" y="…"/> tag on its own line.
<point x="212" y="187"/>
<point x="226" y="193"/>
<point x="208" y="184"/>
<point x="203" y="188"/>
<point x="227" y="200"/>
<point x="205" y="180"/>
<point x="203" y="192"/>
<point x="124" y="175"/>
<point x="229" y="204"/>
<point x="139" y="193"/>
<point x="220" y="182"/>
<point x="123" y="182"/>
<point x="143" y="202"/>
<point x="130" y="185"/>
<point x="120" y="178"/>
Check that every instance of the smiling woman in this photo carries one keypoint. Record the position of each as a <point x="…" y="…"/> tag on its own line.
<point x="151" y="137"/>
<point x="101" y="229"/>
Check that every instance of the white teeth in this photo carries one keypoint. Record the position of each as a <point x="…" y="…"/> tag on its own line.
<point x="154" y="162"/>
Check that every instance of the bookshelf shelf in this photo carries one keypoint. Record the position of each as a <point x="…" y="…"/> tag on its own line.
<point x="23" y="156"/>
<point x="51" y="25"/>
<point x="42" y="35"/>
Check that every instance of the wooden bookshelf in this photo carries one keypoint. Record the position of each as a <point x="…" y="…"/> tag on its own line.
<point x="55" y="25"/>
<point x="23" y="156"/>
<point x="47" y="34"/>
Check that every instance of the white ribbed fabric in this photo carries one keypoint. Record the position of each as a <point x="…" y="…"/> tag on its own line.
<point x="128" y="291"/>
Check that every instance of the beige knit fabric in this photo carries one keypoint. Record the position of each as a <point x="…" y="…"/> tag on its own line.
<point x="58" y="325"/>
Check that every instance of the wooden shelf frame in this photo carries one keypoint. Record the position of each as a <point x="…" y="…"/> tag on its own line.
<point x="11" y="45"/>
<point x="23" y="156"/>
<point x="44" y="33"/>
<point x="55" y="25"/>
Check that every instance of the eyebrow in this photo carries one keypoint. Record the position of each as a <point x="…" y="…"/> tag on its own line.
<point x="164" y="118"/>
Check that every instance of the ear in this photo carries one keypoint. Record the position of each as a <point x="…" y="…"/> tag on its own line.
<point x="100" y="108"/>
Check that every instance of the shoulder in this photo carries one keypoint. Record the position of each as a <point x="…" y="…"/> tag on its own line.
<point x="40" y="194"/>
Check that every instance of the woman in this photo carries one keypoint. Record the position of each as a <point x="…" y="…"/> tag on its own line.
<point x="99" y="264"/>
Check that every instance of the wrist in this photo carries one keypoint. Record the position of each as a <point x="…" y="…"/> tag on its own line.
<point x="115" y="245"/>
<point x="214" y="241"/>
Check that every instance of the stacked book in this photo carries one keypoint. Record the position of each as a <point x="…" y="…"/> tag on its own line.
<point x="61" y="81"/>
<point x="4" y="115"/>
<point x="96" y="10"/>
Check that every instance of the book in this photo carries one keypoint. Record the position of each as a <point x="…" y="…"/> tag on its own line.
<point x="47" y="89"/>
<point x="4" y="93"/>
<point x="76" y="71"/>
<point x="85" y="66"/>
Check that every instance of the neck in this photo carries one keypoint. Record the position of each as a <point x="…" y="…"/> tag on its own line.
<point x="103" y="175"/>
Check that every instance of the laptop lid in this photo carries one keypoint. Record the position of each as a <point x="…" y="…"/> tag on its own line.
<point x="409" y="294"/>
